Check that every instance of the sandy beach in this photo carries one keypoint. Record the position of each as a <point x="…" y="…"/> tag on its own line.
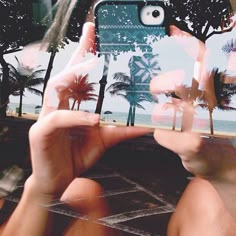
<point x="27" y="116"/>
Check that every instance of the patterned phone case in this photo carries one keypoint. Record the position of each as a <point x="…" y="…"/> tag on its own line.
<point x="127" y="47"/>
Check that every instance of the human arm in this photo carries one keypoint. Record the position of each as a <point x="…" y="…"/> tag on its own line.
<point x="63" y="145"/>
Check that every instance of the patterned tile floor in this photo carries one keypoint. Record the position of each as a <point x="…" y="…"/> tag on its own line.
<point x="142" y="183"/>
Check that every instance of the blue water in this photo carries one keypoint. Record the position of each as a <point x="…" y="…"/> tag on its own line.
<point x="121" y="117"/>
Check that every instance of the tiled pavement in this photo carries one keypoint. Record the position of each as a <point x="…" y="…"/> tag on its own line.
<point x="142" y="183"/>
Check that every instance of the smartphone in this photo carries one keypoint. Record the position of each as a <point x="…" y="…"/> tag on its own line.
<point x="126" y="32"/>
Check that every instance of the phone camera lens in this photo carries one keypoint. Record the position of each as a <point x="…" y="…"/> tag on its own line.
<point x="155" y="13"/>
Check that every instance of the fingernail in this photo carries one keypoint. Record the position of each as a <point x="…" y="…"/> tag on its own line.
<point x="85" y="29"/>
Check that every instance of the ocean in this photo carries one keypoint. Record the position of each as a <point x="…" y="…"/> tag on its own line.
<point x="26" y="108"/>
<point x="199" y="124"/>
<point x="227" y="126"/>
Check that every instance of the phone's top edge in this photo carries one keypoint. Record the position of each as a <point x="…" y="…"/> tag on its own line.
<point x="146" y="2"/>
<point x="121" y="2"/>
<point x="135" y="2"/>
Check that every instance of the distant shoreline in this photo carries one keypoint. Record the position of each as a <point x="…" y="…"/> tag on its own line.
<point x="218" y="134"/>
<point x="204" y="133"/>
<point x="30" y="116"/>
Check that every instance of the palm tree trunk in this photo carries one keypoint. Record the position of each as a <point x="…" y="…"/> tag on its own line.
<point x="174" y="120"/>
<point x="102" y="83"/>
<point x="4" y="88"/>
<point x="133" y="115"/>
<point x="20" y="104"/>
<point x="129" y="116"/>
<point x="48" y="72"/>
<point x="78" y="106"/>
<point x="73" y="105"/>
<point x="211" y="122"/>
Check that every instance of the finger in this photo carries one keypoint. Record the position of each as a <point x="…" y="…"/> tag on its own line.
<point x="55" y="97"/>
<point x="231" y="64"/>
<point x="86" y="44"/>
<point x="175" y="31"/>
<point x="113" y="135"/>
<point x="61" y="119"/>
<point x="167" y="82"/>
<point x="186" y="144"/>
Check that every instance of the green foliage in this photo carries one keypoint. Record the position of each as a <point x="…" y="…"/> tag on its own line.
<point x="15" y="25"/>
<point x="22" y="78"/>
<point x="16" y="29"/>
<point x="202" y="18"/>
<point x="223" y="92"/>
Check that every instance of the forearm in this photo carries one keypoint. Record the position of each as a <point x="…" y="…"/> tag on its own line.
<point x="30" y="216"/>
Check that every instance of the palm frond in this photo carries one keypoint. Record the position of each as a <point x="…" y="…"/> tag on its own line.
<point x="35" y="91"/>
<point x="17" y="60"/>
<point x="230" y="46"/>
<point x="12" y="69"/>
<point x="15" y="94"/>
<point x="120" y="76"/>
<point x="223" y="92"/>
<point x="118" y="86"/>
<point x="203" y="105"/>
<point x="90" y="98"/>
<point x="38" y="73"/>
<point x="12" y="76"/>
<point x="139" y="106"/>
<point x="149" y="97"/>
<point x="82" y="90"/>
<point x="122" y="94"/>
<point x="34" y="82"/>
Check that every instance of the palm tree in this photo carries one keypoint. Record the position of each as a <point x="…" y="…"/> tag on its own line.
<point x="229" y="47"/>
<point x="224" y="92"/>
<point x="82" y="91"/>
<point x="22" y="78"/>
<point x="125" y="87"/>
<point x="222" y="96"/>
<point x="218" y="94"/>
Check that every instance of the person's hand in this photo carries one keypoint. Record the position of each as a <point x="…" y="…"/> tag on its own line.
<point x="66" y="143"/>
<point x="210" y="158"/>
<point x="201" y="156"/>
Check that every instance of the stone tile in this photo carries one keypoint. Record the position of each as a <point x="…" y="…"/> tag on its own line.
<point x="132" y="201"/>
<point x="153" y="224"/>
<point x="114" y="184"/>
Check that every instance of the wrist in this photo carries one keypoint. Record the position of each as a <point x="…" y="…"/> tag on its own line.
<point x="33" y="191"/>
<point x="32" y="207"/>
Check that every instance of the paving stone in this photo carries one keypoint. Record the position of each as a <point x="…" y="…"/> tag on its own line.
<point x="114" y="184"/>
<point x="154" y="224"/>
<point x="132" y="201"/>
